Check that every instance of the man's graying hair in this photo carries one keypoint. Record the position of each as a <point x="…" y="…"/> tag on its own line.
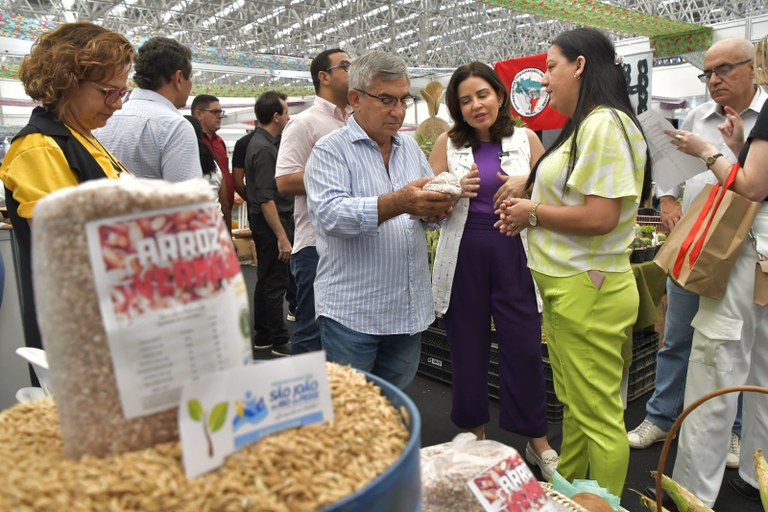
<point x="373" y="66"/>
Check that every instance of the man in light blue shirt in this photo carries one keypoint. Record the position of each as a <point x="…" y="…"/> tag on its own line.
<point x="364" y="184"/>
<point x="149" y="135"/>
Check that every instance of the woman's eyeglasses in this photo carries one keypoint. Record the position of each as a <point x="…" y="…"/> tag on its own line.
<point x="111" y="94"/>
<point x="721" y="70"/>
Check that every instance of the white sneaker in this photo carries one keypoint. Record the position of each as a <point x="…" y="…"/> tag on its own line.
<point x="734" y="451"/>
<point x="547" y="462"/>
<point x="645" y="435"/>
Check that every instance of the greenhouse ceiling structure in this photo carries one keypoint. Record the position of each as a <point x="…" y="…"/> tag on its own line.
<point x="234" y="38"/>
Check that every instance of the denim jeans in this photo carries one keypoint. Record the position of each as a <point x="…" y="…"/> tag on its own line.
<point x="290" y="293"/>
<point x="306" y="336"/>
<point x="393" y="357"/>
<point x="666" y="403"/>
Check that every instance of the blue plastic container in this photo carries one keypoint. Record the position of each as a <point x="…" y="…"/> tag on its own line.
<point x="398" y="489"/>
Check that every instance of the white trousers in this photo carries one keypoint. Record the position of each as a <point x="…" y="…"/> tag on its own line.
<point x="730" y="348"/>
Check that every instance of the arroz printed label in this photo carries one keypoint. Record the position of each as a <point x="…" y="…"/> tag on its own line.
<point x="510" y="486"/>
<point x="173" y="300"/>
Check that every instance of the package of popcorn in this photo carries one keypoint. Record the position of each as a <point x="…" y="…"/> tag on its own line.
<point x="138" y="289"/>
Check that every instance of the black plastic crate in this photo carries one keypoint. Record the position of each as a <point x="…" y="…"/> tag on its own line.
<point x="639" y="374"/>
<point x="431" y="350"/>
<point x="642" y="372"/>
<point x="434" y="372"/>
<point x="547" y="368"/>
<point x="641" y="386"/>
<point x="436" y="361"/>
<point x="434" y="337"/>
<point x="642" y="339"/>
<point x="643" y="357"/>
<point x="554" y="412"/>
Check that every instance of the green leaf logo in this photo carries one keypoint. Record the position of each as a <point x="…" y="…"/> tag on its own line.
<point x="195" y="410"/>
<point x="218" y="416"/>
<point x="214" y="421"/>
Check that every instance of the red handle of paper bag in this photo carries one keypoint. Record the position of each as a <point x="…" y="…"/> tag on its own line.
<point x="715" y="198"/>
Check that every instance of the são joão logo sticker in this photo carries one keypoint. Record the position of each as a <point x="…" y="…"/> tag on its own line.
<point x="527" y="96"/>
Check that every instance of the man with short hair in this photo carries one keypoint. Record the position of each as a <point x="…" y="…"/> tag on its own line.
<point x="238" y="162"/>
<point x="149" y="135"/>
<point x="364" y="182"/>
<point x="729" y="75"/>
<point x="207" y="109"/>
<point x="270" y="215"/>
<point x="329" y="112"/>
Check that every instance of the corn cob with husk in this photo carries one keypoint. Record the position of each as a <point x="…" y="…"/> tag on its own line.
<point x="650" y="504"/>
<point x="432" y="238"/>
<point x="433" y="94"/>
<point x="433" y="126"/>
<point x="685" y="500"/>
<point x="761" y="468"/>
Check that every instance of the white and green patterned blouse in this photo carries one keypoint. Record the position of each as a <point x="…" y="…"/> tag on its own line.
<point x="605" y="166"/>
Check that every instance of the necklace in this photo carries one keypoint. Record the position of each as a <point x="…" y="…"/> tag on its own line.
<point x="119" y="168"/>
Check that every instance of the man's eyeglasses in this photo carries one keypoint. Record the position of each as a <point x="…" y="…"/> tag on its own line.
<point x="341" y="65"/>
<point x="390" y="101"/>
<point x="111" y="94"/>
<point x="722" y="70"/>
<point x="215" y="111"/>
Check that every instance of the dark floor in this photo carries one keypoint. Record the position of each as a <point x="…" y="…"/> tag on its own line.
<point x="433" y="399"/>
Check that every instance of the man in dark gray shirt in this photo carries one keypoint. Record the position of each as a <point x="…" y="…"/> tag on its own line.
<point x="270" y="216"/>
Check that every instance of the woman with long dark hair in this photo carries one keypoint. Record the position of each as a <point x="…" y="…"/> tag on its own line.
<point x="481" y="275"/>
<point x="580" y="223"/>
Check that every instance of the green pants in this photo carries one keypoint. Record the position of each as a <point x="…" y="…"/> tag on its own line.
<point x="586" y="328"/>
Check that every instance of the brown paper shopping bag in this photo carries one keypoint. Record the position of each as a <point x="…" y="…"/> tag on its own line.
<point x="700" y="252"/>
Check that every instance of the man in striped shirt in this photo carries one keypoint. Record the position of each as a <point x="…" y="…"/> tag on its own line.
<point x="149" y="135"/>
<point x="364" y="184"/>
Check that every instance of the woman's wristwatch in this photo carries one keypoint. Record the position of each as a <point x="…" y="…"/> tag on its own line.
<point x="533" y="220"/>
<point x="712" y="159"/>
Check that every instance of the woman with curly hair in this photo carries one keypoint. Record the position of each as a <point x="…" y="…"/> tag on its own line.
<point x="79" y="73"/>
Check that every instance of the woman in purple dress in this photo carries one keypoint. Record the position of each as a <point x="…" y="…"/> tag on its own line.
<point x="479" y="274"/>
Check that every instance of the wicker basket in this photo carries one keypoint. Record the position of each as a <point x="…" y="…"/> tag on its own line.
<point x="563" y="501"/>
<point x="676" y="426"/>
